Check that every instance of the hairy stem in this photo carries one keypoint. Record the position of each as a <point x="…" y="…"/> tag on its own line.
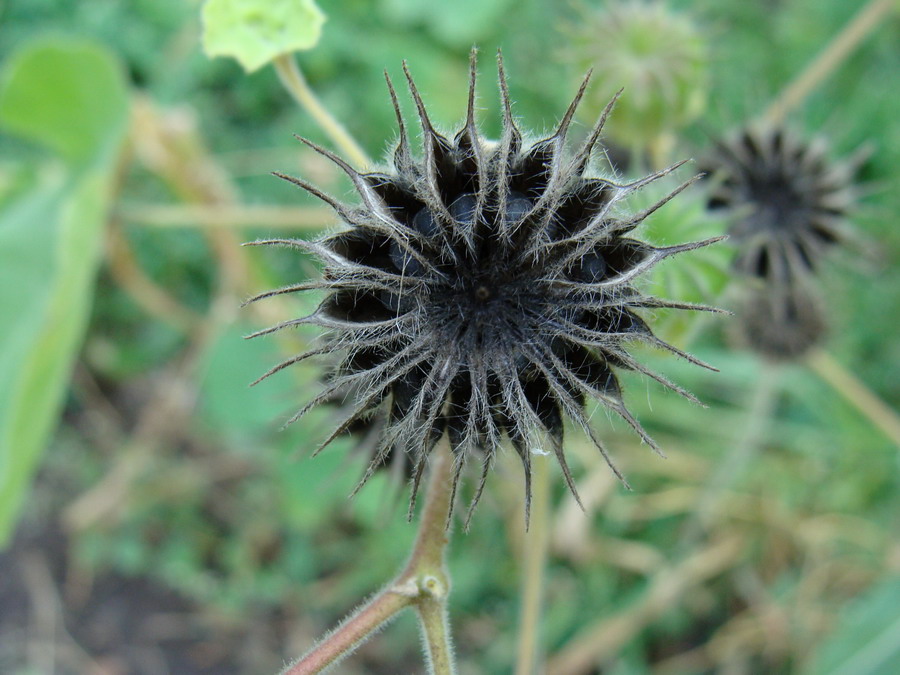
<point x="293" y="80"/>
<point x="351" y="632"/>
<point x="436" y="634"/>
<point x="856" y="393"/>
<point x="423" y="584"/>
<point x="828" y="59"/>
<point x="535" y="556"/>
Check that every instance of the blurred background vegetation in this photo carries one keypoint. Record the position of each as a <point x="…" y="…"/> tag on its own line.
<point x="158" y="521"/>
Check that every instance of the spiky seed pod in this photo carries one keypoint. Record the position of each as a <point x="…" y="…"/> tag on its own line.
<point x="659" y="54"/>
<point x="790" y="202"/>
<point x="485" y="291"/>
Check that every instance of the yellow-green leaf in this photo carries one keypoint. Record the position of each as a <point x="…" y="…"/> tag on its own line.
<point x="256" y="31"/>
<point x="68" y="95"/>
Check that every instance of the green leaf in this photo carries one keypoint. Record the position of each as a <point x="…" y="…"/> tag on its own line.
<point x="867" y="638"/>
<point x="67" y="95"/>
<point x="51" y="239"/>
<point x="256" y="31"/>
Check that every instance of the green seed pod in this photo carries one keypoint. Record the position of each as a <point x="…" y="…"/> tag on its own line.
<point x="658" y="56"/>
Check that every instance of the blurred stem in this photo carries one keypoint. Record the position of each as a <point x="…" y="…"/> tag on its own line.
<point x="760" y="407"/>
<point x="828" y="59"/>
<point x="227" y="216"/>
<point x="535" y="557"/>
<point x="292" y="78"/>
<point x="423" y="584"/>
<point x="856" y="393"/>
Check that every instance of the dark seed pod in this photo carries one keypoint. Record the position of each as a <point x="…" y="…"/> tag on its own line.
<point x="790" y="202"/>
<point x="486" y="290"/>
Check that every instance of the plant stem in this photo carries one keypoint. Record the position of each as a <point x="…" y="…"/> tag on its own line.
<point x="423" y="584"/>
<point x="857" y="393"/>
<point x="227" y="216"/>
<point x="433" y="620"/>
<point x="828" y="59"/>
<point x="351" y="632"/>
<point x="535" y="555"/>
<point x="292" y="78"/>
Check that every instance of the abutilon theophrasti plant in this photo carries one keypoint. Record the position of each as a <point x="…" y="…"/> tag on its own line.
<point x="485" y="290"/>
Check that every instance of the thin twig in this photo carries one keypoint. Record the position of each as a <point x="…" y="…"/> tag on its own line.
<point x="828" y="59"/>
<point x="856" y="393"/>
<point x="293" y="80"/>
<point x="535" y="562"/>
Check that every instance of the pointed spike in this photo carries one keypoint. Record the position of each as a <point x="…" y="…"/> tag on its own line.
<point x="425" y="121"/>
<point x="666" y="251"/>
<point x="526" y="463"/>
<point x="668" y="304"/>
<point x="349" y="170"/>
<point x="566" y="120"/>
<point x="289" y="362"/>
<point x="664" y="381"/>
<point x="626" y="415"/>
<point x="341" y="209"/>
<point x="473" y="75"/>
<point x="509" y="124"/>
<point x="567" y="474"/>
<point x="371" y="199"/>
<point x="458" y="463"/>
<point x="293" y="288"/>
<point x="416" y="482"/>
<point x="646" y="180"/>
<point x="280" y="326"/>
<point x="291" y="243"/>
<point x="482" y="480"/>
<point x="662" y="344"/>
<point x="361" y="409"/>
<point x="403" y="153"/>
<point x="640" y="217"/>
<point x="579" y="163"/>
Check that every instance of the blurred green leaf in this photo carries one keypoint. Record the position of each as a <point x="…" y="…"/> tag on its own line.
<point x="254" y="31"/>
<point x="70" y="96"/>
<point x="67" y="95"/>
<point x="867" y="639"/>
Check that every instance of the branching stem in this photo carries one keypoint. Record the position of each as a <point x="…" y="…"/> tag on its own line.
<point x="423" y="584"/>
